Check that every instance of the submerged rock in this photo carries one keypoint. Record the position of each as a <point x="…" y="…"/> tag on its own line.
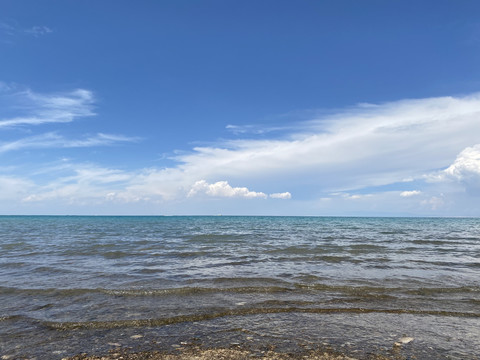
<point x="403" y="340"/>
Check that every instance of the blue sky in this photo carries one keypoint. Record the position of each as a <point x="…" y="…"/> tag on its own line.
<point x="240" y="107"/>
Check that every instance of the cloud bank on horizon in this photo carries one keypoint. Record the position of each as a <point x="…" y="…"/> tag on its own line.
<point x="422" y="155"/>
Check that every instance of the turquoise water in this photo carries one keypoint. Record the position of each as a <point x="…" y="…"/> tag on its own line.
<point x="86" y="284"/>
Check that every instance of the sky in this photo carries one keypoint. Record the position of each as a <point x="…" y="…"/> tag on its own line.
<point x="251" y="107"/>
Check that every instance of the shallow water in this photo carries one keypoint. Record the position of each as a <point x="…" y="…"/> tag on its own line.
<point x="78" y="284"/>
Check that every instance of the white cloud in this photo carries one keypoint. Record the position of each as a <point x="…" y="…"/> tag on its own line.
<point x="13" y="188"/>
<point x="37" y="109"/>
<point x="466" y="165"/>
<point x="410" y="193"/>
<point x="348" y="196"/>
<point x="4" y="87"/>
<point x="362" y="148"/>
<point x="284" y="195"/>
<point x="54" y="140"/>
<point x="356" y="197"/>
<point x="465" y="171"/>
<point x="253" y="129"/>
<point x="7" y="28"/>
<point x="434" y="202"/>
<point x="223" y="189"/>
<point x="38" y="31"/>
<point x="84" y="182"/>
<point x="13" y="29"/>
<point x="33" y="109"/>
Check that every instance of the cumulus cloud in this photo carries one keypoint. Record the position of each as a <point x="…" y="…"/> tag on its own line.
<point x="284" y="195"/>
<point x="466" y="165"/>
<point x="465" y="170"/>
<point x="223" y="189"/>
<point x="410" y="193"/>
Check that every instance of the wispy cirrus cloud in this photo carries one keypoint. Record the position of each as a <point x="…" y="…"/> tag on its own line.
<point x="38" y="31"/>
<point x="4" y="87"/>
<point x="7" y="28"/>
<point x="83" y="183"/>
<point x="12" y="28"/>
<point x="29" y="110"/>
<point x="36" y="109"/>
<point x="13" y="188"/>
<point x="54" y="140"/>
<point x="255" y="129"/>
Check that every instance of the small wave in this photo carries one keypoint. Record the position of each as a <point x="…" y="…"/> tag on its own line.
<point x="430" y="242"/>
<point x="9" y="317"/>
<point x="19" y="245"/>
<point x="345" y="289"/>
<point x="47" y="291"/>
<point x="198" y="290"/>
<point x="332" y="259"/>
<point x="246" y="286"/>
<point x="151" y="271"/>
<point x="64" y="326"/>
<point x="449" y="264"/>
<point x="13" y="265"/>
<point x="366" y="246"/>
<point x="248" y="281"/>
<point x="185" y="291"/>
<point x="214" y="238"/>
<point x="115" y="254"/>
<point x="446" y="290"/>
<point x="19" y="318"/>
